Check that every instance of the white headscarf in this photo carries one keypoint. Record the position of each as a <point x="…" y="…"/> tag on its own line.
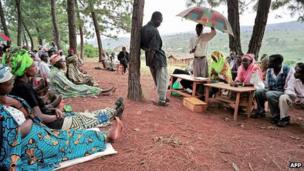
<point x="5" y="73"/>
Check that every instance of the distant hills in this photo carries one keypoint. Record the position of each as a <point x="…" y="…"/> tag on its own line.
<point x="284" y="38"/>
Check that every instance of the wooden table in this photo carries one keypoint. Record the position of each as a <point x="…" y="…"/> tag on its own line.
<point x="233" y="103"/>
<point x="194" y="80"/>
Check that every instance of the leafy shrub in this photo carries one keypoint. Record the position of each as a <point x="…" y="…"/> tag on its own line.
<point x="90" y="51"/>
<point x="290" y="63"/>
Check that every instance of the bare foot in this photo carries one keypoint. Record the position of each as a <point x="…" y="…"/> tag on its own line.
<point x="108" y="92"/>
<point x="115" y="131"/>
<point x="119" y="107"/>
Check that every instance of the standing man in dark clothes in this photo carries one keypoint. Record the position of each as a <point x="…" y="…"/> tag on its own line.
<point x="123" y="58"/>
<point x="151" y="43"/>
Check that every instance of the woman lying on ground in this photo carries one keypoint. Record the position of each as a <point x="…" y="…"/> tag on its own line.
<point x="74" y="74"/>
<point x="27" y="144"/>
<point x="53" y="117"/>
<point x="246" y="70"/>
<point x="62" y="85"/>
<point x="219" y="70"/>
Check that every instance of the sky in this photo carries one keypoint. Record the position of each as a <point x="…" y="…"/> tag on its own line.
<point x="173" y="24"/>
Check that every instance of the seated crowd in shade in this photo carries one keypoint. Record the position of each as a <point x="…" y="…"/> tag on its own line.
<point x="32" y="85"/>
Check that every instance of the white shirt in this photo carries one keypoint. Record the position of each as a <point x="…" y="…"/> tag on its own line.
<point x="201" y="43"/>
<point x="295" y="88"/>
<point x="44" y="69"/>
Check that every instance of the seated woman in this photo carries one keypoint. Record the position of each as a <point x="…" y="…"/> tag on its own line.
<point x="246" y="70"/>
<point x="53" y="117"/>
<point x="219" y="68"/>
<point x="48" y="97"/>
<point x="74" y="74"/>
<point x="27" y="144"/>
<point x="62" y="85"/>
<point x="187" y="85"/>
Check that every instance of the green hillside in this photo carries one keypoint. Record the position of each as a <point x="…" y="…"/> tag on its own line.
<point x="284" y="38"/>
<point x="288" y="43"/>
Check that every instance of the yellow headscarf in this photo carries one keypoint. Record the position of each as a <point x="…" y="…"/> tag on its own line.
<point x="220" y="66"/>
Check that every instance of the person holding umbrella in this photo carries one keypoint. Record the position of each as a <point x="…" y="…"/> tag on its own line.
<point x="199" y="46"/>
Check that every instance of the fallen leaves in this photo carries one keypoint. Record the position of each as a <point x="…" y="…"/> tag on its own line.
<point x="235" y="167"/>
<point x="136" y="129"/>
<point x="172" y="141"/>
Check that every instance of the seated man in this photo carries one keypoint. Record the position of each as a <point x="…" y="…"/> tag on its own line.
<point x="44" y="68"/>
<point x="74" y="73"/>
<point x="294" y="94"/>
<point x="277" y="76"/>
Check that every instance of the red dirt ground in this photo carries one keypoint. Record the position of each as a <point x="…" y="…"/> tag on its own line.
<point x="174" y="138"/>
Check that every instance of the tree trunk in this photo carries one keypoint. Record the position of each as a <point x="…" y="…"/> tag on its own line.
<point x="3" y="21"/>
<point x="40" y="41"/>
<point x="259" y="27"/>
<point x="234" y="20"/>
<point x="55" y="25"/>
<point x="29" y="35"/>
<point x="80" y="25"/>
<point x="100" y="49"/>
<point x="19" y="18"/>
<point x="71" y="24"/>
<point x="134" y="86"/>
<point x="25" y="41"/>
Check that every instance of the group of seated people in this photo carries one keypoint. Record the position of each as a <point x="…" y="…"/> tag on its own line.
<point x="36" y="133"/>
<point x="281" y="85"/>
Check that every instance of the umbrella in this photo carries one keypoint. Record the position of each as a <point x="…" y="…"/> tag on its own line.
<point x="4" y="37"/>
<point x="209" y="17"/>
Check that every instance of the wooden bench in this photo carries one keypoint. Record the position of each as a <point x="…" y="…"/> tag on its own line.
<point x="195" y="80"/>
<point x="233" y="103"/>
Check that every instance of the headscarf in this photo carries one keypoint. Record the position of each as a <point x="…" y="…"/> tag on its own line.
<point x="220" y="66"/>
<point x="219" y="63"/>
<point x="244" y="75"/>
<point x="71" y="50"/>
<point x="5" y="73"/>
<point x="20" y="61"/>
<point x="55" y="58"/>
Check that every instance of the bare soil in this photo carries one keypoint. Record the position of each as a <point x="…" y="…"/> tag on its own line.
<point x="174" y="138"/>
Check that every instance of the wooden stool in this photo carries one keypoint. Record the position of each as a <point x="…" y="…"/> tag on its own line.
<point x="120" y="69"/>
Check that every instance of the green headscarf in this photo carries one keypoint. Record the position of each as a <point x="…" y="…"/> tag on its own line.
<point x="219" y="63"/>
<point x="20" y="61"/>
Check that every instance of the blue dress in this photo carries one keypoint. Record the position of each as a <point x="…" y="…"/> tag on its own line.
<point x="43" y="148"/>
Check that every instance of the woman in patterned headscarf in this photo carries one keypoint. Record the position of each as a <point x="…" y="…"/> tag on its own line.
<point x="219" y="68"/>
<point x="62" y="85"/>
<point x="28" y="144"/>
<point x="74" y="73"/>
<point x="246" y="70"/>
